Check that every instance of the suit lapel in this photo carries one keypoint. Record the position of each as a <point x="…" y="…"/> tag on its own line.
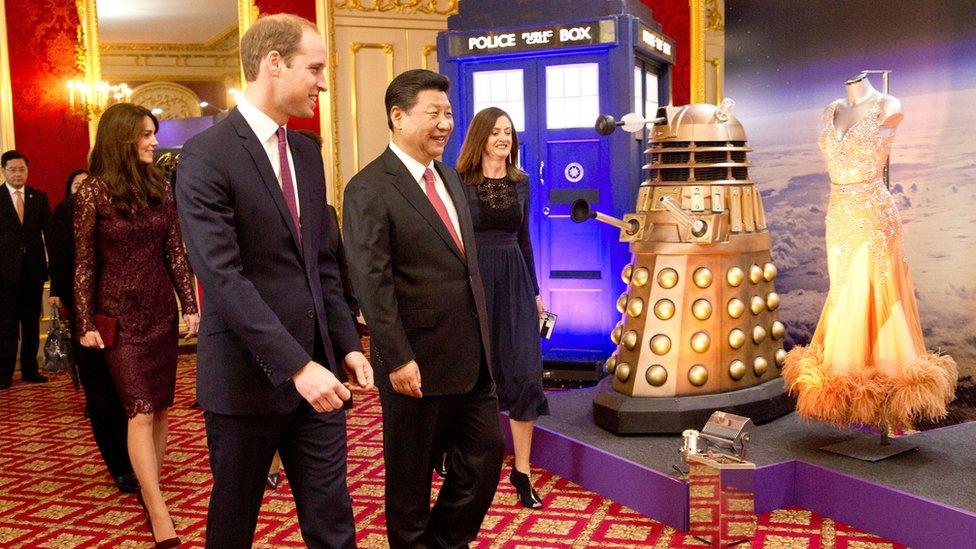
<point x="306" y="198"/>
<point x="410" y="190"/>
<point x="453" y="184"/>
<point x="260" y="157"/>
<point x="7" y="203"/>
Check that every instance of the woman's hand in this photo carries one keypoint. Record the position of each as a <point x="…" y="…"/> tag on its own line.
<point x="540" y="305"/>
<point x="55" y="301"/>
<point x="92" y="339"/>
<point x="192" y="325"/>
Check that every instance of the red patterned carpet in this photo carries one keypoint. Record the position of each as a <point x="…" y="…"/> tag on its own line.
<point x="54" y="491"/>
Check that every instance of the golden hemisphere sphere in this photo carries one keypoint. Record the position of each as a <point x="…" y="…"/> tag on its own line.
<point x="737" y="370"/>
<point x="734" y="276"/>
<point x="616" y="334"/>
<point x="702" y="309"/>
<point x="667" y="278"/>
<point x="636" y="307"/>
<point x="698" y="375"/>
<point x="660" y="344"/>
<point x="700" y="342"/>
<point x="611" y="363"/>
<point x="758" y="334"/>
<point x="777" y="330"/>
<point x="664" y="309"/>
<point x="622" y="302"/>
<point x="629" y="340"/>
<point x="622" y="372"/>
<point x="641" y="276"/>
<point x="703" y="277"/>
<point x="759" y="366"/>
<point x="769" y="272"/>
<point x="656" y="375"/>
<point x="755" y="274"/>
<point x="736" y="307"/>
<point x="780" y="358"/>
<point x="626" y="273"/>
<point x="737" y="338"/>
<point x="772" y="301"/>
<point x="757" y="305"/>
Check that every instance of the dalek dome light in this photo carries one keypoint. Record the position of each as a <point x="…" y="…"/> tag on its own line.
<point x="699" y="122"/>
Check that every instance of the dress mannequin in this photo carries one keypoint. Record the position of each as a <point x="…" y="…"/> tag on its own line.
<point x="867" y="363"/>
<point x="860" y="96"/>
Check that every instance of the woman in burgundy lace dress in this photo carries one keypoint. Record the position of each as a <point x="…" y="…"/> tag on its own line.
<point x="129" y="259"/>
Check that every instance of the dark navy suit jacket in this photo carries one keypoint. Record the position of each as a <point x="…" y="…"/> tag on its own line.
<point x="264" y="295"/>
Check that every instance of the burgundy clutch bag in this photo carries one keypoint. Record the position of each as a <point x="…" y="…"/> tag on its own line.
<point x="107" y="327"/>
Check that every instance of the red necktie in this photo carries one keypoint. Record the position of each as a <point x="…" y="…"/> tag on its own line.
<point x="287" y="187"/>
<point x="438" y="204"/>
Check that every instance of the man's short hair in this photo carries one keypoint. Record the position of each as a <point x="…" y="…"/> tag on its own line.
<point x="281" y="32"/>
<point x="404" y="89"/>
<point x="12" y="155"/>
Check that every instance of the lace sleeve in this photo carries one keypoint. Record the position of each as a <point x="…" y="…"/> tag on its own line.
<point x="524" y="241"/>
<point x="176" y="260"/>
<point x="85" y="215"/>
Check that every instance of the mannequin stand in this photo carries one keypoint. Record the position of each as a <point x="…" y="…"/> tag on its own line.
<point x="869" y="448"/>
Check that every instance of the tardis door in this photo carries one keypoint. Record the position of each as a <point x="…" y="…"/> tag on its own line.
<point x="554" y="101"/>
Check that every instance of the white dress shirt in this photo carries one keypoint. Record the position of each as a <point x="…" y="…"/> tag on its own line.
<point x="266" y="129"/>
<point x="417" y="170"/>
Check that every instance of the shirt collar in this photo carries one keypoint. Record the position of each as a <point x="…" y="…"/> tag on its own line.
<point x="261" y="124"/>
<point x="415" y="168"/>
<point x="23" y="190"/>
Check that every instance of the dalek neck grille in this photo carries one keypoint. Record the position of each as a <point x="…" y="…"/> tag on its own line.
<point x="722" y="162"/>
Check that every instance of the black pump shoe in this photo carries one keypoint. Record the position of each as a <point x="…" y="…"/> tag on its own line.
<point x="526" y="493"/>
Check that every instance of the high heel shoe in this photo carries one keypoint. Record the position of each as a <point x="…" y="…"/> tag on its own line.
<point x="526" y="493"/>
<point x="166" y="543"/>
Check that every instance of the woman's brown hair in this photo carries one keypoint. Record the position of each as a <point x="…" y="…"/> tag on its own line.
<point x="469" y="160"/>
<point x="114" y="159"/>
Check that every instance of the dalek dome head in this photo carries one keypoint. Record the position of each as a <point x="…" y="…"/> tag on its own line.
<point x="698" y="122"/>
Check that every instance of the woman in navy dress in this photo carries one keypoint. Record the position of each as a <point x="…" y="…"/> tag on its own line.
<point x="498" y="197"/>
<point x="129" y="260"/>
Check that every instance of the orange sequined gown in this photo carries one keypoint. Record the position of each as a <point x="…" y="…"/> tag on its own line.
<point x="867" y="362"/>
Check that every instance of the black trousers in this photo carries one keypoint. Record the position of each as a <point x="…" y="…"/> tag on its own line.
<point x="313" y="450"/>
<point x="20" y="313"/>
<point x="466" y="426"/>
<point x="109" y="424"/>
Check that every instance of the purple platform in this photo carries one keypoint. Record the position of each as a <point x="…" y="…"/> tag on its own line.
<point x="923" y="499"/>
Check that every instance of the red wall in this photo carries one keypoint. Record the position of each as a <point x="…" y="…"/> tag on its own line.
<point x="42" y="35"/>
<point x="675" y="20"/>
<point x="306" y="9"/>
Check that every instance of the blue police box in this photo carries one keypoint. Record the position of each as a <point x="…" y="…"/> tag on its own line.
<point x="555" y="66"/>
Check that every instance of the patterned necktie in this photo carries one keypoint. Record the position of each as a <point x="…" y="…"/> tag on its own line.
<point x="19" y="204"/>
<point x="287" y="187"/>
<point x="438" y="204"/>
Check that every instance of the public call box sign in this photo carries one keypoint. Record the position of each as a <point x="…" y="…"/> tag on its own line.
<point x="555" y="36"/>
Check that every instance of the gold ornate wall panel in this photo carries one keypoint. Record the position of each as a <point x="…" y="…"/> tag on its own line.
<point x="217" y="60"/>
<point x="6" y="95"/>
<point x="713" y="50"/>
<point x="175" y="100"/>
<point x="373" y="41"/>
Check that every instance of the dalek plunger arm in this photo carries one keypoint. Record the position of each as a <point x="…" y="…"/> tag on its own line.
<point x="581" y="211"/>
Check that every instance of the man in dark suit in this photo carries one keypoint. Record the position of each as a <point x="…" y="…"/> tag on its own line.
<point x="413" y="263"/>
<point x="274" y="327"/>
<point x="24" y="214"/>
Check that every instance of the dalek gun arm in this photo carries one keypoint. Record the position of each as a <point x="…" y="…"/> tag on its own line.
<point x="698" y="227"/>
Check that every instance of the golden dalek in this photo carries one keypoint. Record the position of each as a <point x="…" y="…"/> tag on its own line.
<point x="698" y="318"/>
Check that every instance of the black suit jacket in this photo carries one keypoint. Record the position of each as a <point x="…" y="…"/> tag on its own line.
<point x="264" y="296"/>
<point x="422" y="298"/>
<point x="22" y="246"/>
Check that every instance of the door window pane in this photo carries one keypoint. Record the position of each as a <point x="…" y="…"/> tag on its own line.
<point x="638" y="92"/>
<point x="502" y="89"/>
<point x="572" y="95"/>
<point x="652" y="99"/>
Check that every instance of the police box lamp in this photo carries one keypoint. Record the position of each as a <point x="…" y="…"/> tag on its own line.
<point x="724" y="434"/>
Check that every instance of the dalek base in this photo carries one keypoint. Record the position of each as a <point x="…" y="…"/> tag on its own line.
<point x="629" y="415"/>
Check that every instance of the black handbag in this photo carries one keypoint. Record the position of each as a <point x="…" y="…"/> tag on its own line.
<point x="58" y="355"/>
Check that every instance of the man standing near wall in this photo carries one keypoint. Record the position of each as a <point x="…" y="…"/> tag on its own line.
<point x="24" y="214"/>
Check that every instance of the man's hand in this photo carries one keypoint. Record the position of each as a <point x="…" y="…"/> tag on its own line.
<point x="359" y="372"/>
<point x="192" y="325"/>
<point x="92" y="339"/>
<point x="320" y="387"/>
<point x="406" y="379"/>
